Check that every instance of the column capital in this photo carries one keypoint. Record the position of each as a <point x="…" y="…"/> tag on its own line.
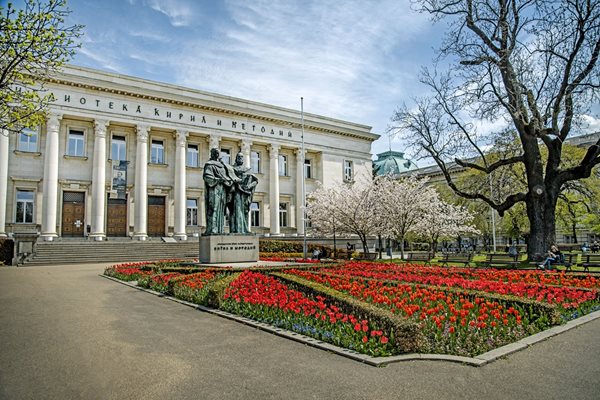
<point x="245" y="146"/>
<point x="100" y="126"/>
<point x="300" y="154"/>
<point x="142" y="133"/>
<point x="213" y="141"/>
<point x="53" y="121"/>
<point x="274" y="150"/>
<point x="181" y="137"/>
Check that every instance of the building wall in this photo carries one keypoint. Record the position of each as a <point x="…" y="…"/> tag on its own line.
<point x="101" y="105"/>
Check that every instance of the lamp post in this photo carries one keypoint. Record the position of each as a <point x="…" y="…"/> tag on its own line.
<point x="303" y="179"/>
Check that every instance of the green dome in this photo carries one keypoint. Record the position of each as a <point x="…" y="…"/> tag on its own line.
<point x="392" y="162"/>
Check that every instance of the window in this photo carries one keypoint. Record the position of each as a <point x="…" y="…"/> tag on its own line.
<point x="348" y="175"/>
<point x="192" y="155"/>
<point x="118" y="151"/>
<point x="25" y="199"/>
<point x="192" y="212"/>
<point x="28" y="140"/>
<point x="157" y="152"/>
<point x="255" y="162"/>
<point x="76" y="143"/>
<point x="283" y="166"/>
<point x="226" y="156"/>
<point x="307" y="169"/>
<point x="254" y="214"/>
<point x="283" y="219"/>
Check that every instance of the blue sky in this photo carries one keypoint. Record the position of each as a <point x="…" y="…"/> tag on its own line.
<point x="356" y="60"/>
<point x="353" y="60"/>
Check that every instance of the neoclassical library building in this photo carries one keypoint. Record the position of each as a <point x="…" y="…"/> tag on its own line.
<point x="121" y="156"/>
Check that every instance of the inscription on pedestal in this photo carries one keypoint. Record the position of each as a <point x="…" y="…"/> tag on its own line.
<point x="228" y="248"/>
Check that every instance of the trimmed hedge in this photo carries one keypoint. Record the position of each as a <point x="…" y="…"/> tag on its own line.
<point x="405" y="335"/>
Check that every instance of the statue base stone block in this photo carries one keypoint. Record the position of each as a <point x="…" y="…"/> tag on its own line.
<point x="218" y="249"/>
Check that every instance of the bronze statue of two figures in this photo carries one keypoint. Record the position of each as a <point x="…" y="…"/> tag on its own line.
<point x="227" y="190"/>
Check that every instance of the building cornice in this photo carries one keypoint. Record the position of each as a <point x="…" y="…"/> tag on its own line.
<point x="128" y="86"/>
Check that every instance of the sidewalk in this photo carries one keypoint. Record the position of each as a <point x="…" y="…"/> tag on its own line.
<point x="68" y="333"/>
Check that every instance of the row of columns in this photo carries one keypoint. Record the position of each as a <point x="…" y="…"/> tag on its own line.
<point x="50" y="181"/>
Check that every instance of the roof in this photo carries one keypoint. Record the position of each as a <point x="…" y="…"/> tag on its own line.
<point x="392" y="162"/>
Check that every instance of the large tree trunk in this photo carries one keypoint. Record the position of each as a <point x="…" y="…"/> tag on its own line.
<point x="541" y="211"/>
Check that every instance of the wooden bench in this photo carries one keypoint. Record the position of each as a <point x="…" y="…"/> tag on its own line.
<point x="568" y="260"/>
<point x="590" y="260"/>
<point x="500" y="260"/>
<point x="457" y="258"/>
<point x="367" y="256"/>
<point x="425" y="257"/>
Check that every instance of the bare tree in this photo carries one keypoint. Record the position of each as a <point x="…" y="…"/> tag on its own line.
<point x="528" y="65"/>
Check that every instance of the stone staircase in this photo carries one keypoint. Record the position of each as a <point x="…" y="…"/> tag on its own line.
<point x="81" y="251"/>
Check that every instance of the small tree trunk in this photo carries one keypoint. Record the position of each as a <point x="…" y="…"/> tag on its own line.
<point x="402" y="248"/>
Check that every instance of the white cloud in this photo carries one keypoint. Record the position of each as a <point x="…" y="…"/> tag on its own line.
<point x="337" y="57"/>
<point x="590" y="123"/>
<point x="179" y="12"/>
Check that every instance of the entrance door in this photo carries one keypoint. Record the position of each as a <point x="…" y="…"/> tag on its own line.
<point x="73" y="214"/>
<point x="116" y="223"/>
<point x="156" y="216"/>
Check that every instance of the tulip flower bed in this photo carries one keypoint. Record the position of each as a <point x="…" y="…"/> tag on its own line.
<point x="158" y="282"/>
<point x="193" y="287"/>
<point x="128" y="271"/>
<point x="384" y="309"/>
<point x="572" y="292"/>
<point x="265" y="299"/>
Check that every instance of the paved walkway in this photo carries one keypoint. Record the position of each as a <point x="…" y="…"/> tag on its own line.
<point x="66" y="333"/>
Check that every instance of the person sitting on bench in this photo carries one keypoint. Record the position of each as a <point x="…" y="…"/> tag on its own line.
<point x="554" y="256"/>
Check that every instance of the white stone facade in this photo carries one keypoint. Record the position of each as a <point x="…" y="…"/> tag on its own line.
<point x="58" y="180"/>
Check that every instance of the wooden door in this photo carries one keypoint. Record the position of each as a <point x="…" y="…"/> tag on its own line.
<point x="156" y="216"/>
<point x="116" y="222"/>
<point x="73" y="214"/>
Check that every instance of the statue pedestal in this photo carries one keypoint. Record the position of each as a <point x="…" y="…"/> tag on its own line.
<point x="228" y="249"/>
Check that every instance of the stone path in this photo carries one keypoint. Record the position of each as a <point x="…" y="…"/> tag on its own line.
<point x="65" y="332"/>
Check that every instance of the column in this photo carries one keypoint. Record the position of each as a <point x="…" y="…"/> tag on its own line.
<point x="99" y="180"/>
<point x="245" y="148"/>
<point x="274" y="188"/>
<point x="180" y="184"/>
<point x="3" y="180"/>
<point x="50" y="186"/>
<point x="299" y="192"/>
<point x="140" y="214"/>
<point x="213" y="143"/>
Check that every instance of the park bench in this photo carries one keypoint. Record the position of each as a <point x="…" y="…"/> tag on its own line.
<point x="568" y="260"/>
<point x="425" y="257"/>
<point x="367" y="256"/>
<point x="590" y="260"/>
<point x="457" y="258"/>
<point x="500" y="260"/>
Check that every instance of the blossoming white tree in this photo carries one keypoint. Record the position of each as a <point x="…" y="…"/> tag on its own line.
<point x="349" y="208"/>
<point x="443" y="220"/>
<point x="404" y="203"/>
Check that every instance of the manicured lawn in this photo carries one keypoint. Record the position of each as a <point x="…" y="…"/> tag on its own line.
<point x="385" y="308"/>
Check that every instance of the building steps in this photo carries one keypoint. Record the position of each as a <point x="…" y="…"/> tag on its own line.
<point x="84" y="251"/>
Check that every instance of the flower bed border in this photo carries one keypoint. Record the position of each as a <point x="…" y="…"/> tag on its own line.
<point x="476" y="361"/>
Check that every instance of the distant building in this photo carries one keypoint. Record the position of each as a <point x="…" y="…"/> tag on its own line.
<point x="436" y="176"/>
<point x="394" y="163"/>
<point x="121" y="156"/>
